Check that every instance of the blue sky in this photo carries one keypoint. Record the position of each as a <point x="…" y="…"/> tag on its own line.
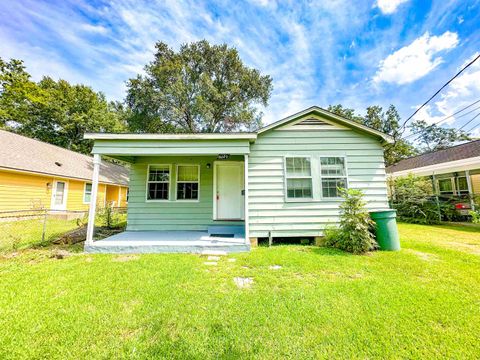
<point x="356" y="53"/>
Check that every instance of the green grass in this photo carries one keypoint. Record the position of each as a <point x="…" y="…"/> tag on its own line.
<point x="421" y="302"/>
<point x="28" y="233"/>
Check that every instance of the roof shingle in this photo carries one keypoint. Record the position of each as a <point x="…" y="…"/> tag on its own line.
<point x="458" y="152"/>
<point x="18" y="152"/>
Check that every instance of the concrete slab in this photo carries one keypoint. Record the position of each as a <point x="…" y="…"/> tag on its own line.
<point x="199" y="242"/>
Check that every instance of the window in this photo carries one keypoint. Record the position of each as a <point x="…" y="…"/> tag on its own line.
<point x="158" y="182"/>
<point x="445" y="186"/>
<point x="298" y="177"/>
<point x="462" y="185"/>
<point x="187" y="182"/>
<point x="334" y="176"/>
<point x="87" y="194"/>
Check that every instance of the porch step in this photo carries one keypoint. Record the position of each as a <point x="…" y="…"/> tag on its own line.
<point x="98" y="247"/>
<point x="235" y="230"/>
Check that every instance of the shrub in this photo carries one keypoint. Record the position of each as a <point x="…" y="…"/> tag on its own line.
<point x="412" y="197"/>
<point x="475" y="214"/>
<point x="354" y="233"/>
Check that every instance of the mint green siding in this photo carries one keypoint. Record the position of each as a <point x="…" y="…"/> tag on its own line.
<point x="171" y="215"/>
<point x="268" y="209"/>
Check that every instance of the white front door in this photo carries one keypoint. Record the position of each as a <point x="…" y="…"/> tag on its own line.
<point x="59" y="195"/>
<point x="229" y="190"/>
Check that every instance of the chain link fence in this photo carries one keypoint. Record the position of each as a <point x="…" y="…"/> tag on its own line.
<point x="32" y="228"/>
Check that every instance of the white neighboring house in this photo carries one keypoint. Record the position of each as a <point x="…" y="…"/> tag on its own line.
<point x="454" y="171"/>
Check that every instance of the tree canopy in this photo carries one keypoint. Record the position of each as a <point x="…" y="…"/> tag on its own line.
<point x="56" y="112"/>
<point x="384" y="121"/>
<point x="433" y="137"/>
<point x="200" y="88"/>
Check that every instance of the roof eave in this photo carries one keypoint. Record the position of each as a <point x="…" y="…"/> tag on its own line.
<point x="210" y="136"/>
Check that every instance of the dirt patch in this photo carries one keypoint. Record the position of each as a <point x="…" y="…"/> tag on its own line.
<point x="424" y="255"/>
<point x="60" y="254"/>
<point x="243" y="283"/>
<point x="465" y="247"/>
<point x="125" y="258"/>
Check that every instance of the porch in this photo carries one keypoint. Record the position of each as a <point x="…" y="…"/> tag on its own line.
<point x="187" y="193"/>
<point x="225" y="239"/>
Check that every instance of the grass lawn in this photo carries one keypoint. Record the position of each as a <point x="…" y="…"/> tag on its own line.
<point x="422" y="302"/>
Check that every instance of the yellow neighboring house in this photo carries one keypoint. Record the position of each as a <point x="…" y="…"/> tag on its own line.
<point x="37" y="175"/>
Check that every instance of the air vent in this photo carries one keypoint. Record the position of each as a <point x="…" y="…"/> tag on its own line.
<point x="312" y="122"/>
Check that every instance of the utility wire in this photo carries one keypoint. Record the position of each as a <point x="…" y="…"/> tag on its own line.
<point x="472" y="128"/>
<point x="438" y="91"/>
<point x="450" y="116"/>
<point x="469" y="121"/>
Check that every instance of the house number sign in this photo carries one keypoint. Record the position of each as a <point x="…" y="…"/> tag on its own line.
<point x="223" y="156"/>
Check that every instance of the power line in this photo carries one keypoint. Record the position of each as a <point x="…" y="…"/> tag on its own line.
<point x="439" y="90"/>
<point x="450" y="116"/>
<point x="472" y="128"/>
<point x="469" y="121"/>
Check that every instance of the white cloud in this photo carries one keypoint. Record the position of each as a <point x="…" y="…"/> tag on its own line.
<point x="97" y="29"/>
<point x="416" y="60"/>
<point x="389" y="6"/>
<point x="461" y="92"/>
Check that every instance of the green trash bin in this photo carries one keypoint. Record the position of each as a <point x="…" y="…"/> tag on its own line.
<point x="386" y="229"/>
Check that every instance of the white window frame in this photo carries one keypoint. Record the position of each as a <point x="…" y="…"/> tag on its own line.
<point x="169" y="183"/>
<point x="286" y="177"/>
<point x="452" y="181"/>
<point x="321" y="177"/>
<point x="85" y="192"/>
<point x="457" y="186"/>
<point x="183" y="182"/>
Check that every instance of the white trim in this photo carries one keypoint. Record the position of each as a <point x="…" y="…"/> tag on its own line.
<point x="63" y="206"/>
<point x="215" y="164"/>
<point x="214" y="136"/>
<point x="169" y="183"/>
<point x="329" y="114"/>
<point x="182" y="182"/>
<point x="246" y="214"/>
<point x="321" y="177"/>
<point x="470" y="189"/>
<point x="452" y="182"/>
<point x="93" y="199"/>
<point x="119" y="196"/>
<point x="442" y="168"/>
<point x="85" y="191"/>
<point x="285" y="178"/>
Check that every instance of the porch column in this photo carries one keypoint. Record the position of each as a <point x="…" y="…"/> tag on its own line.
<point x="470" y="189"/>
<point x="245" y="199"/>
<point x="93" y="199"/>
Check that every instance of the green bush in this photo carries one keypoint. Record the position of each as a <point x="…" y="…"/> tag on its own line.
<point x="354" y="234"/>
<point x="475" y="214"/>
<point x="412" y="197"/>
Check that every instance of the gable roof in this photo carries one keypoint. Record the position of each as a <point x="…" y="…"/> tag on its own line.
<point x="454" y="153"/>
<point x="331" y="116"/>
<point x="19" y="152"/>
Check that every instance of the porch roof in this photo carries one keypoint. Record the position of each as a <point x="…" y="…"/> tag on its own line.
<point x="128" y="146"/>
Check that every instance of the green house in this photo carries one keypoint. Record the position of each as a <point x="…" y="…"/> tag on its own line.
<point x="197" y="192"/>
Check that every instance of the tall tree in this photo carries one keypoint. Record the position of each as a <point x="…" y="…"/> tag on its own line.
<point x="53" y="111"/>
<point x="387" y="122"/>
<point x="200" y="88"/>
<point x="433" y="137"/>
